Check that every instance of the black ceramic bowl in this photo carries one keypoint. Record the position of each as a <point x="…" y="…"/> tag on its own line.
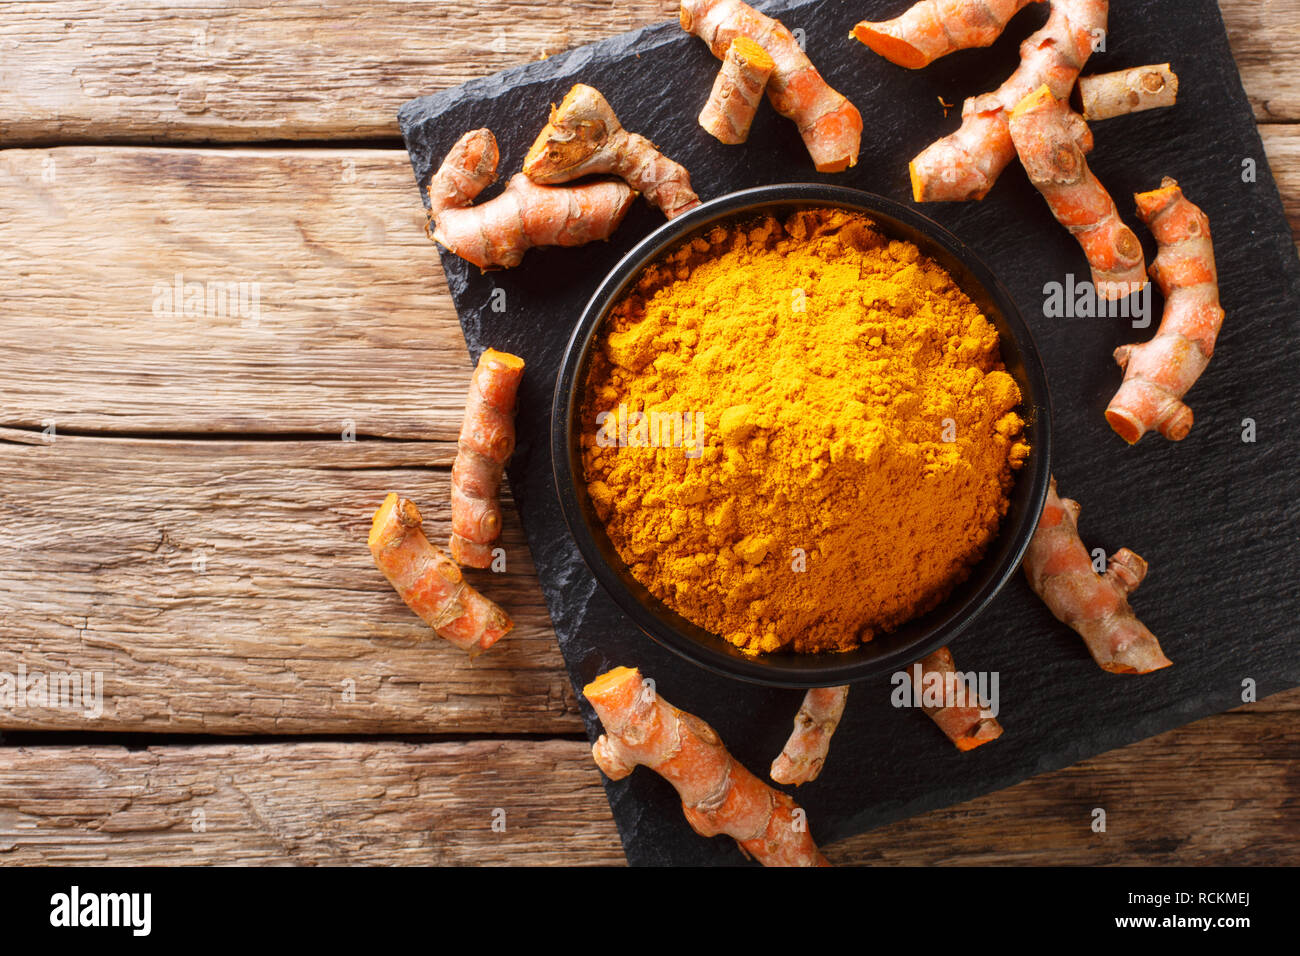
<point x="886" y="652"/>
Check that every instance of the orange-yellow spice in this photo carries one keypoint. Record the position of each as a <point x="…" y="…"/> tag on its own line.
<point x="799" y="434"/>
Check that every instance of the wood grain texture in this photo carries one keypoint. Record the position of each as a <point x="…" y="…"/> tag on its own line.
<point x="324" y="803"/>
<point x="355" y="322"/>
<point x="1222" y="790"/>
<point x="226" y="587"/>
<point x="1265" y="40"/>
<point x="1282" y="147"/>
<point x="205" y="70"/>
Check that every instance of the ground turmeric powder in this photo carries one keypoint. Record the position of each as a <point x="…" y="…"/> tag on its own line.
<point x="799" y="433"/>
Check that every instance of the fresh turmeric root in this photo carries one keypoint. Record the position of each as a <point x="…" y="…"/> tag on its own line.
<point x="1158" y="373"/>
<point x="805" y="752"/>
<point x="966" y="164"/>
<point x="830" y="125"/>
<point x="497" y="233"/>
<point x="967" y="724"/>
<point x="737" y="91"/>
<point x="430" y="582"/>
<point x="585" y="137"/>
<point x="1051" y="139"/>
<point x="468" y="169"/>
<point x="487" y="438"/>
<point x="1096" y="606"/>
<point x="1106" y="95"/>
<point x="932" y="29"/>
<point x="718" y="794"/>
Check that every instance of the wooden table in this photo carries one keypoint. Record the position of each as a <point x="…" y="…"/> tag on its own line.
<point x="186" y="492"/>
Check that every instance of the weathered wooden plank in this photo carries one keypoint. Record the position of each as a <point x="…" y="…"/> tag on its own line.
<point x="355" y="323"/>
<point x="1282" y="147"/>
<point x="1265" y="40"/>
<point x="306" y="803"/>
<point x="159" y="70"/>
<point x="350" y="323"/>
<point x="204" y="70"/>
<point x="226" y="587"/>
<point x="1214" y="792"/>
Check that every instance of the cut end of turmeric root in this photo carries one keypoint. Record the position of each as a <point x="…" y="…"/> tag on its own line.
<point x="833" y="138"/>
<point x="430" y="582"/>
<point x="1125" y="424"/>
<point x="753" y="53"/>
<point x="918" y="186"/>
<point x="737" y="92"/>
<point x="391" y="522"/>
<point x="931" y="29"/>
<point x="881" y="38"/>
<point x="977" y="736"/>
<point x="1154" y="200"/>
<point x="615" y="688"/>
<point x="963" y="721"/>
<point x="1040" y="98"/>
<point x="1175" y="422"/>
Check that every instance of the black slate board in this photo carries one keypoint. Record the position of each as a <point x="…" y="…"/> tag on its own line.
<point x="1216" y="516"/>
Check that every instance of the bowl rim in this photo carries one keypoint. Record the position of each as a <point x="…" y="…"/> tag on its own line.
<point x="804" y="670"/>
